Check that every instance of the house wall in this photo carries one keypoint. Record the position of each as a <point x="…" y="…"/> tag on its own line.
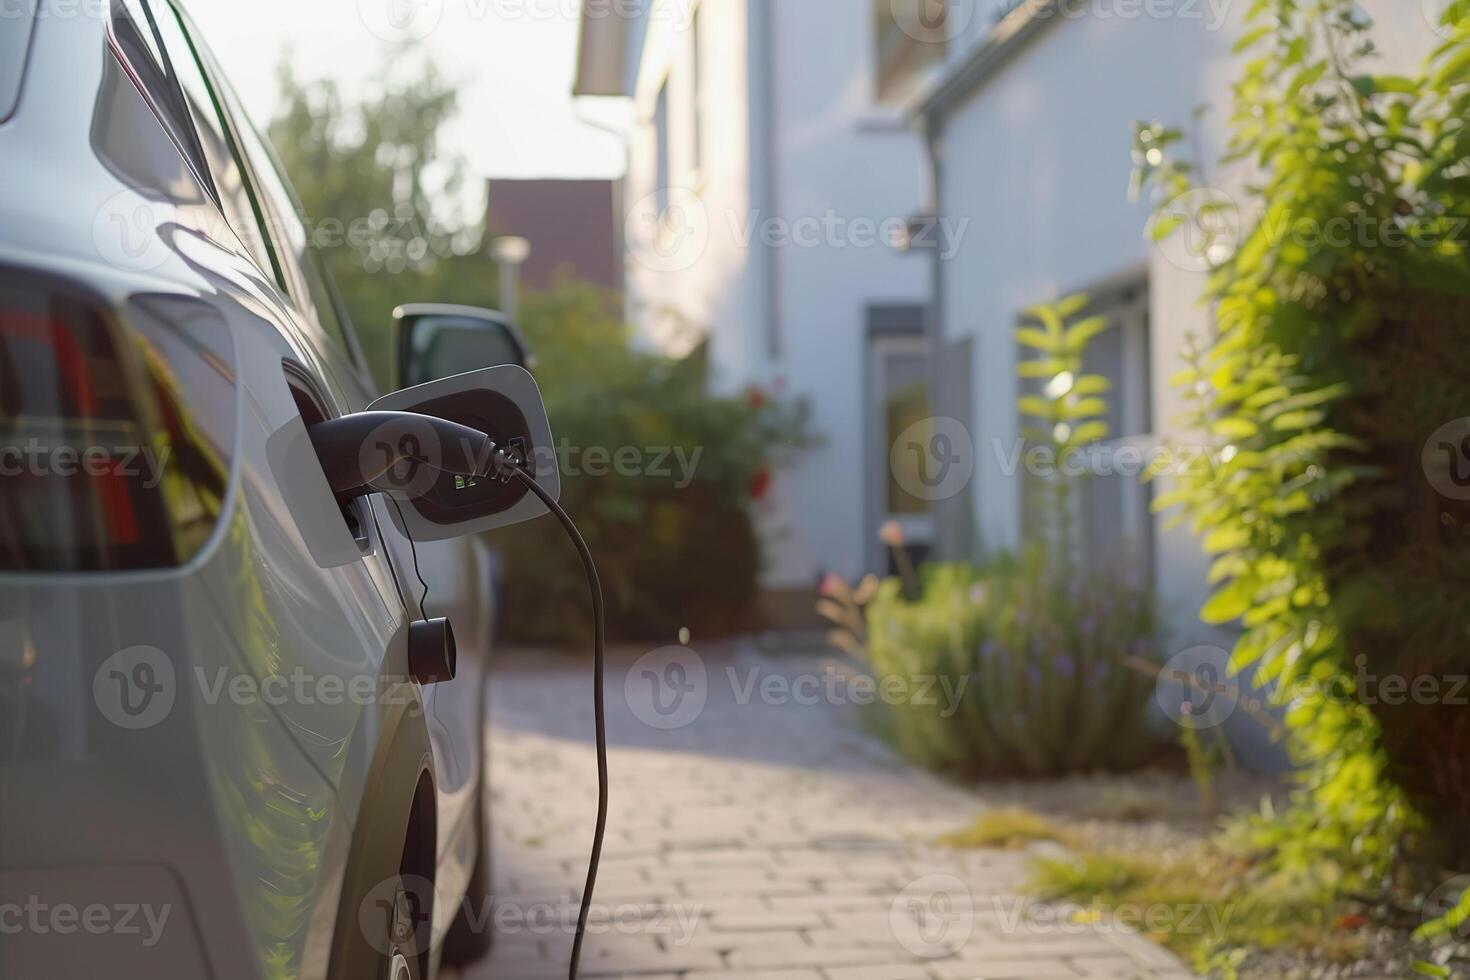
<point x="773" y="273"/>
<point x="854" y="166"/>
<point x="696" y="283"/>
<point x="1039" y="157"/>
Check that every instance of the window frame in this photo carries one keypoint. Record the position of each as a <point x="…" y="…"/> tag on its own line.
<point x="698" y="83"/>
<point x="188" y="144"/>
<point x="1126" y="302"/>
<point x="233" y="119"/>
<point x="663" y="145"/>
<point x="297" y="269"/>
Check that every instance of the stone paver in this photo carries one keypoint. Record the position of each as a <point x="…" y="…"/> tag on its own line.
<point x="766" y="839"/>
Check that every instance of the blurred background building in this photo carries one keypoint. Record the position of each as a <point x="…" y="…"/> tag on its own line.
<point x="776" y="144"/>
<point x="769" y="166"/>
<point x="573" y="226"/>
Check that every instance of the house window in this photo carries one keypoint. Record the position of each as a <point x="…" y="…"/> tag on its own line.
<point x="661" y="134"/>
<point x="912" y="37"/>
<point x="1112" y="506"/>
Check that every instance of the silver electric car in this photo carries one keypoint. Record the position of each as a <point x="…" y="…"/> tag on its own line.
<point x="218" y="757"/>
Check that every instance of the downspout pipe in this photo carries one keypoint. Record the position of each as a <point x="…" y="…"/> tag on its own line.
<point x="764" y="133"/>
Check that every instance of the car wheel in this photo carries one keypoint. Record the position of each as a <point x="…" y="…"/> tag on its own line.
<point x="399" y="968"/>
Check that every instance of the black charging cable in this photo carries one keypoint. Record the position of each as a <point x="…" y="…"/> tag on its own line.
<point x="336" y="443"/>
<point x="508" y="466"/>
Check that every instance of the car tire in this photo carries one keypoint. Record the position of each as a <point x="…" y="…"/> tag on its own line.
<point x="470" y="937"/>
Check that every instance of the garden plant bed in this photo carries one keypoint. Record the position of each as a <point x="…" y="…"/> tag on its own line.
<point x="1110" y="843"/>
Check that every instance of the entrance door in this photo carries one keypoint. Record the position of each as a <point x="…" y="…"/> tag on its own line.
<point x="901" y="406"/>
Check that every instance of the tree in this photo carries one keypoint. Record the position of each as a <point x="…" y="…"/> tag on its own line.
<point x="385" y="205"/>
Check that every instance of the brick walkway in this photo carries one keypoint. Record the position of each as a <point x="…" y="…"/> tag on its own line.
<point x="750" y="837"/>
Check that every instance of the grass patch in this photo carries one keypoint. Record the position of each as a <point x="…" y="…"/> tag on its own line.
<point x="1009" y="829"/>
<point x="1204" y="904"/>
<point x="1129" y="804"/>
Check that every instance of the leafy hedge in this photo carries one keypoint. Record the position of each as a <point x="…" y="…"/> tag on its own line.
<point x="1338" y="307"/>
<point x="670" y="518"/>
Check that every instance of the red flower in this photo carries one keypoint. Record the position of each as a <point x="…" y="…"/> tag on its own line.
<point x="761" y="485"/>
<point x="1352" y="920"/>
<point x="756" y="398"/>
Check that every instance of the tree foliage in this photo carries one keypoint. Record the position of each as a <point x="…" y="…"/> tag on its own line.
<point x="386" y="206"/>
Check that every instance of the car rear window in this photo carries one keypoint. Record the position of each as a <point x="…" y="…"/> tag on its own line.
<point x="16" y="23"/>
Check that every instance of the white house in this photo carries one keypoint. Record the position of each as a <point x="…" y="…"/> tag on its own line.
<point x="1029" y="129"/>
<point x="772" y="169"/>
<point x="779" y="145"/>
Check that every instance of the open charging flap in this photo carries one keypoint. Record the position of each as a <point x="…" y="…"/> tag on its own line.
<point x="503" y="402"/>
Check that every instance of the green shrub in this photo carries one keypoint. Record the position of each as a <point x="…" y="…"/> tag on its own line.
<point x="1052" y="675"/>
<point x="1051" y="668"/>
<point x="1335" y="358"/>
<point x="672" y="529"/>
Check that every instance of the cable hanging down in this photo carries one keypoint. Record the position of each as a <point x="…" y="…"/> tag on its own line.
<point x="594" y="585"/>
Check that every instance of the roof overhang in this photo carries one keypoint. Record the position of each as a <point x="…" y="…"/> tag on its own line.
<point x="1006" y="39"/>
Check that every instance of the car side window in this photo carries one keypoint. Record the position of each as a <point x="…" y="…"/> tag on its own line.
<point x="135" y="37"/>
<point x="155" y="49"/>
<point x="293" y="240"/>
<point x="300" y="270"/>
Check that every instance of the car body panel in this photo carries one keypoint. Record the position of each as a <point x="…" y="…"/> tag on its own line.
<point x="244" y="793"/>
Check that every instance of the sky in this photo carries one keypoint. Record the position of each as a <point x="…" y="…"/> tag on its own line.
<point x="515" y="60"/>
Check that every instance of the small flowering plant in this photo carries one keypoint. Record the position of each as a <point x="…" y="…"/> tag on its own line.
<point x="843" y="607"/>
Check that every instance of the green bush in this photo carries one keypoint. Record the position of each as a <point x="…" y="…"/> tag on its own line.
<point x="1339" y="308"/>
<point x="1051" y="669"/>
<point x="671" y="528"/>
<point x="1053" y="675"/>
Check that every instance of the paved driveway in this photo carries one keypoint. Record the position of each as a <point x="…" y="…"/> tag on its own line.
<point x="755" y="832"/>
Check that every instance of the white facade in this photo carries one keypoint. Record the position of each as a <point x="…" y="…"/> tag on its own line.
<point x="1034" y="146"/>
<point x="765" y="183"/>
<point x="1016" y="138"/>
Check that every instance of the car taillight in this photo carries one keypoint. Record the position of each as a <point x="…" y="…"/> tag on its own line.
<point x="101" y="465"/>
